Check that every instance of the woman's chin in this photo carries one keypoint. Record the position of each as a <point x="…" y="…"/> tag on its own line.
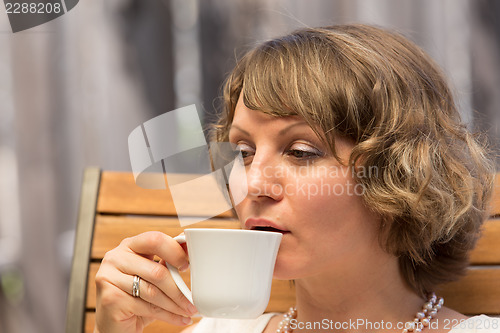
<point x="285" y="270"/>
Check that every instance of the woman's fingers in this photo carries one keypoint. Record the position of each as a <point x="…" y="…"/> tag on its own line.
<point x="160" y="244"/>
<point x="131" y="258"/>
<point x="129" y="307"/>
<point x="159" y="298"/>
<point x="156" y="285"/>
<point x="145" y="309"/>
<point x="153" y="295"/>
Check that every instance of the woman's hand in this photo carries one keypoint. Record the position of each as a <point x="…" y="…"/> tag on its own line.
<point x="117" y="310"/>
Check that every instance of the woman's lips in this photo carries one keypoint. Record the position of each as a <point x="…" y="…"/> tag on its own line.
<point x="264" y="225"/>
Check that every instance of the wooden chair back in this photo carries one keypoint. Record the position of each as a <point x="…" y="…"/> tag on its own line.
<point x="113" y="207"/>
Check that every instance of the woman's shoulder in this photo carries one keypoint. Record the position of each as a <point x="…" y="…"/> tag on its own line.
<point x="210" y="325"/>
<point x="477" y="324"/>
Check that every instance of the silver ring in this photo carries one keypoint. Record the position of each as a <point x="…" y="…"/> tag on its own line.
<point x="135" y="286"/>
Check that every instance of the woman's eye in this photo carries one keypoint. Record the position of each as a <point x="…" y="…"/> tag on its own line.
<point x="245" y="153"/>
<point x="304" y="152"/>
<point x="245" y="150"/>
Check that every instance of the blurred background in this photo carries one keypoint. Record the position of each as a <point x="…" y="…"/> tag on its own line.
<point x="73" y="89"/>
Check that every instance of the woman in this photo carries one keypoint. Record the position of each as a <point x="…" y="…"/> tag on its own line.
<point x="354" y="149"/>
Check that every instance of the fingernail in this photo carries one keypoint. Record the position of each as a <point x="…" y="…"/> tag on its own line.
<point x="184" y="267"/>
<point x="187" y="321"/>
<point x="192" y="309"/>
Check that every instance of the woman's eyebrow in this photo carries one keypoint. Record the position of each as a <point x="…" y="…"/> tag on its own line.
<point x="300" y="123"/>
<point x="281" y="132"/>
<point x="239" y="129"/>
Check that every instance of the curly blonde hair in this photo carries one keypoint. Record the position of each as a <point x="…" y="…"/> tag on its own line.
<point x="382" y="91"/>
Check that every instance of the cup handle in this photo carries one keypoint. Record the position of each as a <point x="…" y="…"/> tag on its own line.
<point x="181" y="239"/>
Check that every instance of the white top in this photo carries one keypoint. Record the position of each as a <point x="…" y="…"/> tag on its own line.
<point x="476" y="324"/>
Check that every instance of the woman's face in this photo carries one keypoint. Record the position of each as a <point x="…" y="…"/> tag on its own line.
<point x="295" y="186"/>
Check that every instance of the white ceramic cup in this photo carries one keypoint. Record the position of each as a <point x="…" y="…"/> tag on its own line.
<point x="231" y="271"/>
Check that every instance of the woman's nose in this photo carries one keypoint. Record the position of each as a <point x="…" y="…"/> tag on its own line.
<point x="264" y="181"/>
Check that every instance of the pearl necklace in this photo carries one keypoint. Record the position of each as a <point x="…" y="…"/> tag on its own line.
<point x="422" y="318"/>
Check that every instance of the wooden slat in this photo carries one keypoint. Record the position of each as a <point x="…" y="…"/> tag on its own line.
<point x="110" y="230"/>
<point x="282" y="292"/>
<point x="91" y="287"/>
<point x="478" y="292"/>
<point x="487" y="251"/>
<point x="120" y="195"/>
<point x="495" y="202"/>
<point x="156" y="327"/>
